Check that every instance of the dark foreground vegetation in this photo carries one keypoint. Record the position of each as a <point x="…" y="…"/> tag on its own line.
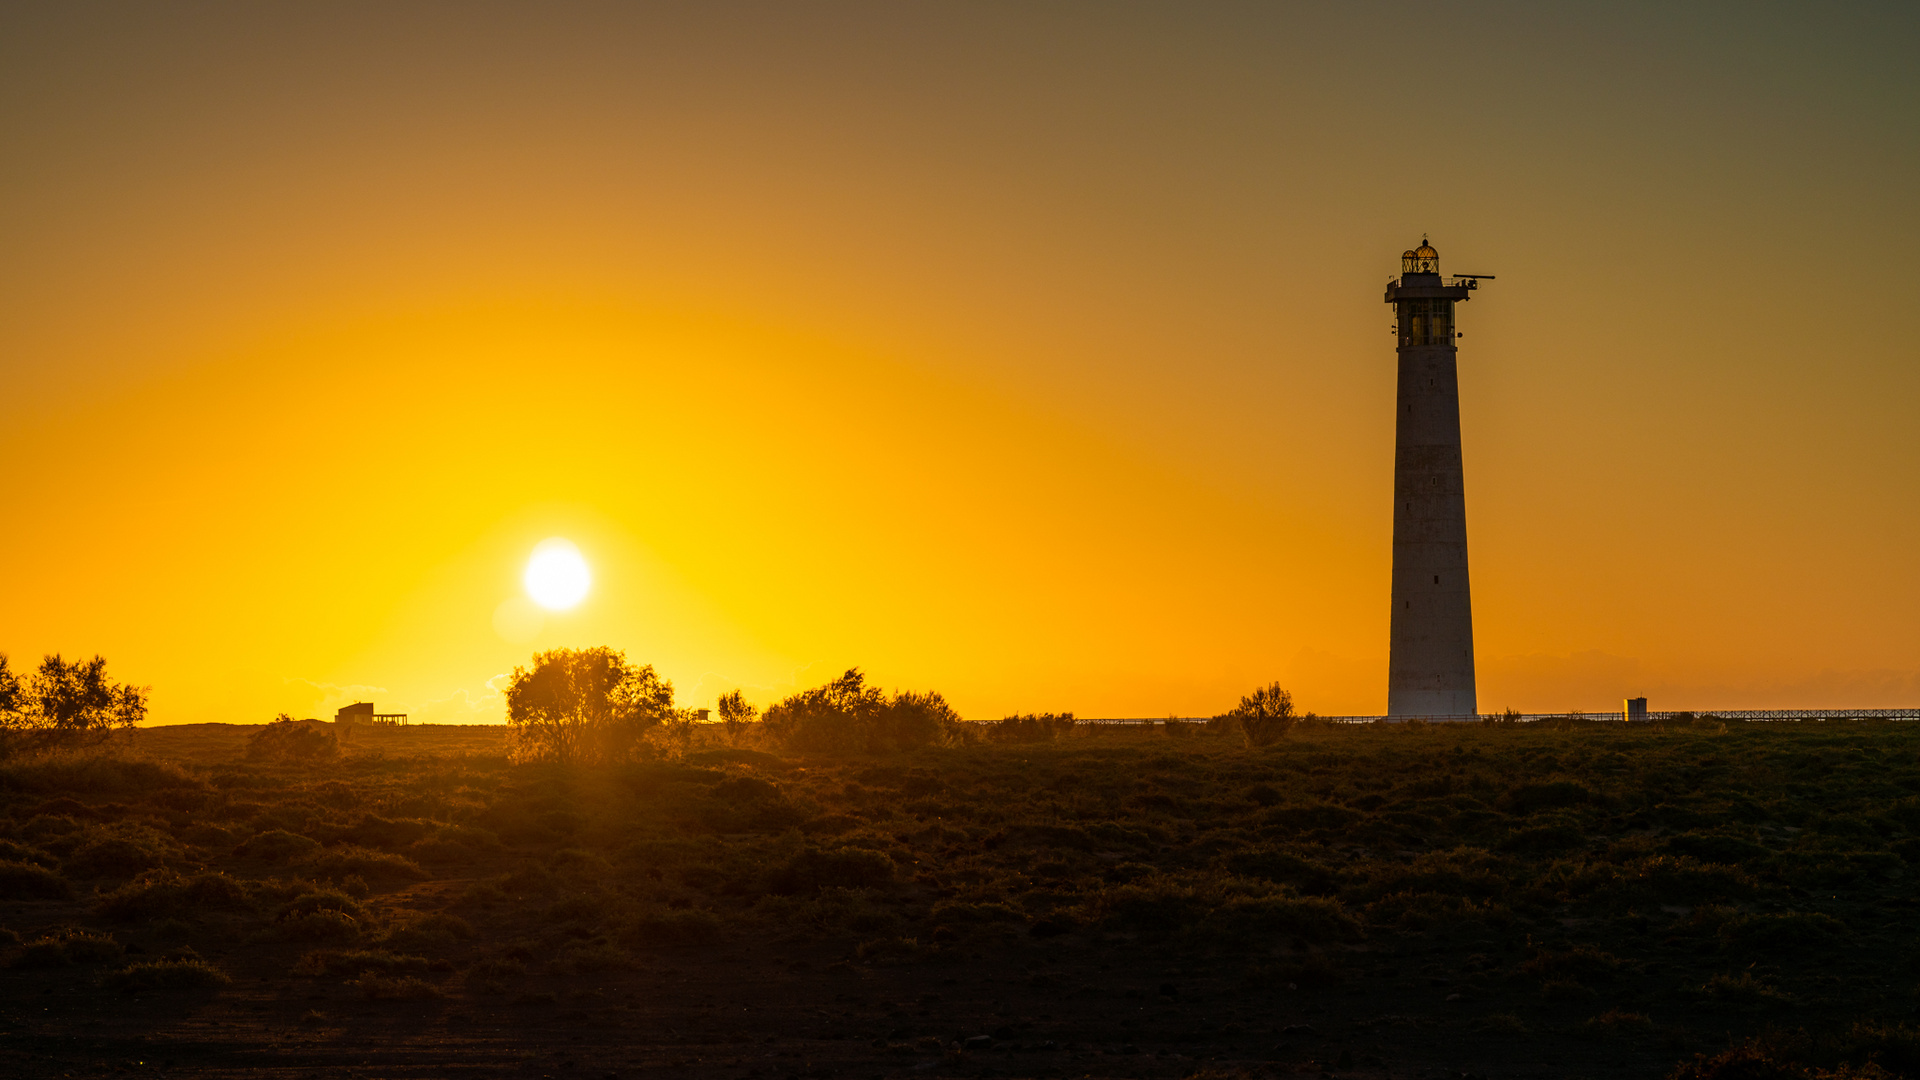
<point x="1702" y="901"/>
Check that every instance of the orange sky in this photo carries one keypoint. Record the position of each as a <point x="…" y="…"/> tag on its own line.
<point x="1032" y="354"/>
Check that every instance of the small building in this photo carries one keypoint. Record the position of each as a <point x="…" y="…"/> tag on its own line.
<point x="361" y="712"/>
<point x="1636" y="709"/>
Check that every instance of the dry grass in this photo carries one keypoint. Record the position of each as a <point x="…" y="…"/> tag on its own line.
<point x="1595" y="889"/>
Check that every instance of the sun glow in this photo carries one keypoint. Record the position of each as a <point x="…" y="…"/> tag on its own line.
<point x="557" y="576"/>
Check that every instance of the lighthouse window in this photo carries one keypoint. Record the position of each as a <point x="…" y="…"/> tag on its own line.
<point x="1426" y="322"/>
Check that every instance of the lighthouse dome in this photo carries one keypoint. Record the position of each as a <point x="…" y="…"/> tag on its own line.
<point x="1421" y="260"/>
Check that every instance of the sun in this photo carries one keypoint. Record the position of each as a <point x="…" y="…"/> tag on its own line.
<point x="557" y="576"/>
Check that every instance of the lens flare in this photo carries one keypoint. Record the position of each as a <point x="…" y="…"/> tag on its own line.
<point x="557" y="576"/>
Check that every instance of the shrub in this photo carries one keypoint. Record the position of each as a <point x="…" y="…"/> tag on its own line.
<point x="277" y="845"/>
<point x="949" y="912"/>
<point x="1216" y="906"/>
<point x="890" y="951"/>
<point x="115" y="856"/>
<point x="338" y="864"/>
<point x="1283" y="867"/>
<point x="496" y="967"/>
<point x="1715" y="848"/>
<point x="171" y="976"/>
<point x="1616" y="1021"/>
<point x="60" y="948"/>
<point x="1263" y="716"/>
<point x="1462" y="872"/>
<point x="594" y="957"/>
<point x="1315" y="972"/>
<point x="1311" y="816"/>
<point x="1502" y="1024"/>
<point x="324" y="925"/>
<point x="353" y="962"/>
<point x="49" y="829"/>
<point x="1030" y="728"/>
<point x="1263" y="795"/>
<point x="1553" y="794"/>
<point x="12" y="852"/>
<point x="813" y="869"/>
<point x="372" y="830"/>
<point x="316" y="901"/>
<point x="1155" y="905"/>
<point x="1310" y="917"/>
<point x="667" y="929"/>
<point x="1676" y="879"/>
<point x="1740" y="1063"/>
<point x="1706" y="919"/>
<point x="848" y="716"/>
<point x="1582" y="962"/>
<point x="744" y="789"/>
<point x="1896" y="1046"/>
<point x="25" y="881"/>
<point x="453" y="843"/>
<point x="430" y="933"/>
<point x="1421" y="910"/>
<point x="1783" y="932"/>
<point x="293" y="741"/>
<point x="1745" y="988"/>
<point x="406" y="988"/>
<point x="1545" y="839"/>
<point x="579" y="865"/>
<point x="94" y="774"/>
<point x="733" y="756"/>
<point x="166" y="893"/>
<point x="529" y="878"/>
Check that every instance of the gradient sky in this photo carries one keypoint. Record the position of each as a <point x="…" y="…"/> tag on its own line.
<point x="1031" y="353"/>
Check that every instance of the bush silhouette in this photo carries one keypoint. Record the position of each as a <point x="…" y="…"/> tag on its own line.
<point x="584" y="706"/>
<point x="847" y="868"/>
<point x="26" y="881"/>
<point x="1031" y="728"/>
<point x="287" y="739"/>
<point x="169" y="976"/>
<point x="847" y="715"/>
<point x="1263" y="716"/>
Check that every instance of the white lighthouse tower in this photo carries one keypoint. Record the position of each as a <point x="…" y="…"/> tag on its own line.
<point x="1430" y="668"/>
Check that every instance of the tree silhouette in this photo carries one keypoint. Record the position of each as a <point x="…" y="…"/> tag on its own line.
<point x="585" y="705"/>
<point x="736" y="713"/>
<point x="12" y="699"/>
<point x="61" y="704"/>
<point x="75" y="698"/>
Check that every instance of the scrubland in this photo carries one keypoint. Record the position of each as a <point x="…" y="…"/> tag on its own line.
<point x="1700" y="900"/>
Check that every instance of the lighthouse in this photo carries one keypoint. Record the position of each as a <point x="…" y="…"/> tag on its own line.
<point x="1430" y="664"/>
